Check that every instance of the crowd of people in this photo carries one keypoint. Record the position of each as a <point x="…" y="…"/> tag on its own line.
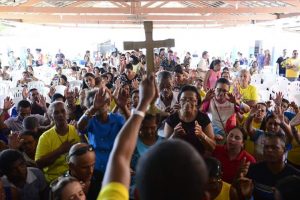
<point x="178" y="133"/>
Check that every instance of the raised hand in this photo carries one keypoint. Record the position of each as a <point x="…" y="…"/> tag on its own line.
<point x="118" y="83"/>
<point x="294" y="106"/>
<point x="41" y="102"/>
<point x="14" y="140"/>
<point x="278" y="99"/>
<point x="178" y="130"/>
<point x="8" y="104"/>
<point x="121" y="98"/>
<point x="253" y="111"/>
<point x="210" y="94"/>
<point x="101" y="97"/>
<point x="232" y="98"/>
<point x="296" y="120"/>
<point x="244" y="167"/>
<point x="243" y="184"/>
<point x="279" y="116"/>
<point x="52" y="91"/>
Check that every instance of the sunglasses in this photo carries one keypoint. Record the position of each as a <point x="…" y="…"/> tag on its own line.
<point x="81" y="151"/>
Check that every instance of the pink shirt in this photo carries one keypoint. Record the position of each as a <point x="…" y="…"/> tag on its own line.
<point x="213" y="77"/>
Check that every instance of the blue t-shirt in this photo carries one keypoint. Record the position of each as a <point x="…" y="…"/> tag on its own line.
<point x="102" y="137"/>
<point x="289" y="115"/>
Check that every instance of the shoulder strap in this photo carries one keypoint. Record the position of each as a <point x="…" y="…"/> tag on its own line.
<point x="219" y="116"/>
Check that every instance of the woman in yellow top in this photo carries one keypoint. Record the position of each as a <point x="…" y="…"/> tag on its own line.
<point x="218" y="189"/>
<point x="243" y="88"/>
<point x="55" y="143"/>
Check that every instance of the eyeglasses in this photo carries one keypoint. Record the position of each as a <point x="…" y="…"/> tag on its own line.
<point x="191" y="100"/>
<point x="81" y="151"/>
<point x="219" y="90"/>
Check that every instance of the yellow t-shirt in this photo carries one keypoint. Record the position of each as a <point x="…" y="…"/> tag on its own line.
<point x="225" y="192"/>
<point x="114" y="191"/>
<point x="202" y="94"/>
<point x="292" y="73"/>
<point x="249" y="93"/>
<point x="50" y="141"/>
<point x="294" y="153"/>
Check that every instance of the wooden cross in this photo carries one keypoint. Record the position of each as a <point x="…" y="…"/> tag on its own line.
<point x="149" y="44"/>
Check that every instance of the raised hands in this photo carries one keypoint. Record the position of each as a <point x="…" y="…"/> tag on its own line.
<point x="8" y="104"/>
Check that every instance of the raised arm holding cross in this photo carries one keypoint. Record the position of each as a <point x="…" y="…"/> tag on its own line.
<point x="149" y="44"/>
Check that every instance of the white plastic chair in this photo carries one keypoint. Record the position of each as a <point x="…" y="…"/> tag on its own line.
<point x="39" y="85"/>
<point x="294" y="87"/>
<point x="60" y="89"/>
<point x="16" y="94"/>
<point x="74" y="84"/>
<point x="264" y="95"/>
<point x="256" y="79"/>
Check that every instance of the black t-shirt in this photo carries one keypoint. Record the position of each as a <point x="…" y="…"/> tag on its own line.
<point x="203" y="121"/>
<point x="279" y="62"/>
<point x="264" y="180"/>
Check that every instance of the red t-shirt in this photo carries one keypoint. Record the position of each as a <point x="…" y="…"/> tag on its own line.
<point x="230" y="167"/>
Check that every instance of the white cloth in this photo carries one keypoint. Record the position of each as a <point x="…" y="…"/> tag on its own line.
<point x="225" y="110"/>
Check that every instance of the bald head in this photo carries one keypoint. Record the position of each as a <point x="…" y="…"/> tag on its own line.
<point x="78" y="150"/>
<point x="82" y="160"/>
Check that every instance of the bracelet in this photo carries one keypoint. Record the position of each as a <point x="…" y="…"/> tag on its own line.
<point x="137" y="112"/>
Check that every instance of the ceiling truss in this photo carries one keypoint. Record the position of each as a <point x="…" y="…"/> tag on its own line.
<point x="222" y="13"/>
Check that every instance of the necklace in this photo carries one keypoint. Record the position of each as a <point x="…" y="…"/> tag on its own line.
<point x="59" y="136"/>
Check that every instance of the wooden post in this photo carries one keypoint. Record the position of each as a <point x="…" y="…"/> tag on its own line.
<point x="149" y="44"/>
